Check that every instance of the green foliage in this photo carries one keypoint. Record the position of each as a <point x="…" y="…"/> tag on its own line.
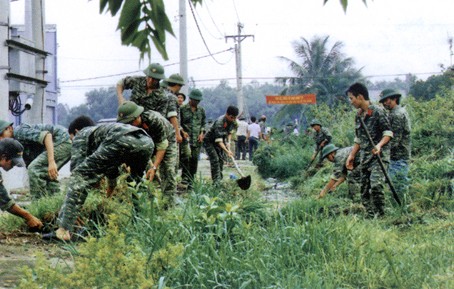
<point x="434" y="85"/>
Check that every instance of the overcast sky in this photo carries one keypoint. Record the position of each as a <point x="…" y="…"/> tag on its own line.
<point x="387" y="38"/>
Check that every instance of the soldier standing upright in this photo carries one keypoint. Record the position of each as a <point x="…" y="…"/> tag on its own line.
<point x="163" y="135"/>
<point x="377" y="124"/>
<point x="322" y="137"/>
<point x="193" y="126"/>
<point x="47" y="148"/>
<point x="215" y="142"/>
<point x="401" y="142"/>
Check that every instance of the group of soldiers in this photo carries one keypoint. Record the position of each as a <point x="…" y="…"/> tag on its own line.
<point x="382" y="135"/>
<point x="155" y="133"/>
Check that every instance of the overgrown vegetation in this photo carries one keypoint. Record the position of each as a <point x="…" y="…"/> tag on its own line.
<point x="234" y="239"/>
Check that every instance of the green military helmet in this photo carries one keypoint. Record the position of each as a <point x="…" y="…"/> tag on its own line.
<point x="315" y="122"/>
<point x="4" y="124"/>
<point x="195" y="94"/>
<point x="328" y="149"/>
<point x="388" y="93"/>
<point x="155" y="70"/>
<point x="175" y="78"/>
<point x="128" y="111"/>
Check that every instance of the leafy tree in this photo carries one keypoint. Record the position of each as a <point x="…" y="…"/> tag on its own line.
<point x="397" y="84"/>
<point x="142" y="21"/>
<point x="100" y="103"/>
<point x="322" y="70"/>
<point x="435" y="84"/>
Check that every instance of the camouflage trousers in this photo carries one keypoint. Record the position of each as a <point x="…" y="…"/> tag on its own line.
<point x="133" y="149"/>
<point x="372" y="187"/>
<point x="38" y="175"/>
<point x="216" y="162"/>
<point x="167" y="170"/>
<point x="189" y="162"/>
<point x="354" y="183"/>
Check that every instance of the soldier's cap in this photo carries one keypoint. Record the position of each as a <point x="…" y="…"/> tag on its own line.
<point x="328" y="149"/>
<point x="155" y="70"/>
<point x="175" y="78"/>
<point x="128" y="111"/>
<point x="388" y="93"/>
<point x="263" y="116"/>
<point x="315" y="122"/>
<point x="13" y="150"/>
<point x="195" y="94"/>
<point x="4" y="124"/>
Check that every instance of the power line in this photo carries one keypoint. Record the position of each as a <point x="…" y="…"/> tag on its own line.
<point x="212" y="20"/>
<point x="136" y="71"/>
<point x="203" y="39"/>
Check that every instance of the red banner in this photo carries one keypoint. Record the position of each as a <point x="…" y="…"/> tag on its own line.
<point x="291" y="99"/>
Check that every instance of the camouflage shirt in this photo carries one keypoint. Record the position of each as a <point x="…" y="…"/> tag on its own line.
<point x="159" y="128"/>
<point x="378" y="125"/>
<point x="322" y="135"/>
<point x="401" y="127"/>
<point x="157" y="100"/>
<point x="339" y="169"/>
<point x="94" y="136"/>
<point x="193" y="122"/>
<point x="32" y="138"/>
<point x="219" y="131"/>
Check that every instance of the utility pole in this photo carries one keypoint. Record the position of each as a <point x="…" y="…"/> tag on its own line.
<point x="183" y="46"/>
<point x="239" y="77"/>
<point x="4" y="65"/>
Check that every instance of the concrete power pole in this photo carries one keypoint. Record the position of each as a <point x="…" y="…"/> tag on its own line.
<point x="239" y="76"/>
<point x="4" y="65"/>
<point x="37" y="111"/>
<point x="183" y="45"/>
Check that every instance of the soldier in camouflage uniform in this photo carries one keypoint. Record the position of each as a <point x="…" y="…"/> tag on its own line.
<point x="163" y="135"/>
<point x="321" y="137"/>
<point x="193" y="127"/>
<point x="215" y="142"/>
<point x="147" y="92"/>
<point x="99" y="151"/>
<point x="174" y="84"/>
<point x="10" y="156"/>
<point x="401" y="142"/>
<point x="377" y="124"/>
<point x="47" y="150"/>
<point x="339" y="156"/>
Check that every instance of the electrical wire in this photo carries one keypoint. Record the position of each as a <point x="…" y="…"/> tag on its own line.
<point x="212" y="20"/>
<point x="201" y="35"/>
<point x="236" y="11"/>
<point x="132" y="72"/>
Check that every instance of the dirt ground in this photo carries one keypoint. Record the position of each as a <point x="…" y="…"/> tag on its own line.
<point x="19" y="249"/>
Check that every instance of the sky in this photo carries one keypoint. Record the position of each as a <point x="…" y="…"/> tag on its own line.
<point x="386" y="38"/>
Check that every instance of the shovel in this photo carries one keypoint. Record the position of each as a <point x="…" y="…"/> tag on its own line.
<point x="245" y="181"/>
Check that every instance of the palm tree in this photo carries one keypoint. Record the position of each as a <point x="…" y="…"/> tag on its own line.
<point x="325" y="71"/>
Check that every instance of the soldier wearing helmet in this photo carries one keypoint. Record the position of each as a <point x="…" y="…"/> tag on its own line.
<point x="401" y="142"/>
<point x="339" y="156"/>
<point x="322" y="137"/>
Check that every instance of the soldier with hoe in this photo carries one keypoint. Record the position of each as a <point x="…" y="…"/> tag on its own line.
<point x="401" y="142"/>
<point x="215" y="142"/>
<point x="377" y="126"/>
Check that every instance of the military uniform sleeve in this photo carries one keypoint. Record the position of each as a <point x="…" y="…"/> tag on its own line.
<point x="5" y="199"/>
<point x="29" y="133"/>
